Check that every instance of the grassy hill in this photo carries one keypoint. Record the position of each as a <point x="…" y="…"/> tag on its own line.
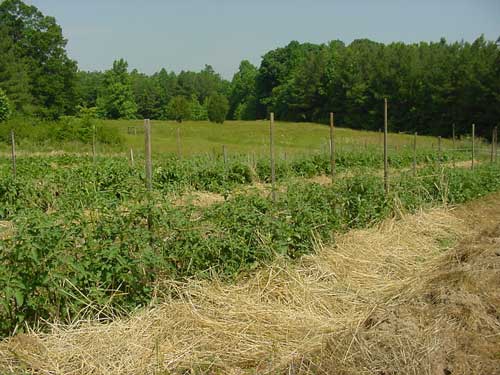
<point x="253" y="137"/>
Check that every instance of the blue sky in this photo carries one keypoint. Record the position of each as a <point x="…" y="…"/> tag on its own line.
<point x="187" y="34"/>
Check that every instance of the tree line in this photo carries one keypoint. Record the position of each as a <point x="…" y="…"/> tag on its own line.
<point x="429" y="85"/>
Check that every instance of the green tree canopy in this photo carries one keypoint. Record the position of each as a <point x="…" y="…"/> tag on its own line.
<point x="243" y="99"/>
<point x="4" y="106"/>
<point x="116" y="99"/>
<point x="179" y="109"/>
<point x="147" y="95"/>
<point x="40" y="46"/>
<point x="218" y="107"/>
<point x="14" y="78"/>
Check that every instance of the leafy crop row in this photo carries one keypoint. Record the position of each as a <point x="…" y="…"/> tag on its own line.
<point x="88" y="236"/>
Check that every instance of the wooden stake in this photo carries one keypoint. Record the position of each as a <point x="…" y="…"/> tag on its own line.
<point x="439" y="151"/>
<point x="415" y="154"/>
<point x="271" y="145"/>
<point x="332" y="146"/>
<point x="224" y="152"/>
<point x="492" y="145"/>
<point x="496" y="143"/>
<point x="454" y="147"/>
<point x="149" y="164"/>
<point x="94" y="144"/>
<point x="473" y="145"/>
<point x="179" y="150"/>
<point x="132" y="158"/>
<point x="13" y="144"/>
<point x="386" y="164"/>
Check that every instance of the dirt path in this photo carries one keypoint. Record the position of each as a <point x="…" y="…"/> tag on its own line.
<point x="415" y="295"/>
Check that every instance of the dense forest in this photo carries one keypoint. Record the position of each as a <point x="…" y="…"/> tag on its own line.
<point x="429" y="86"/>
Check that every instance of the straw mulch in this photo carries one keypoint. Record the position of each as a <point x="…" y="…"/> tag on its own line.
<point x="416" y="295"/>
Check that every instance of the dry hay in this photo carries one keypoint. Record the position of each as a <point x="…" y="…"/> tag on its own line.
<point x="199" y="199"/>
<point x="389" y="300"/>
<point x="6" y="230"/>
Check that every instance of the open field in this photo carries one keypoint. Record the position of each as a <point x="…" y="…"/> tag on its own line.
<point x="253" y="136"/>
<point x="242" y="137"/>
<point x="416" y="294"/>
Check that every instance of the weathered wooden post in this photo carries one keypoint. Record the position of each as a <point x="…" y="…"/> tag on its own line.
<point x="94" y="143"/>
<point x="271" y="149"/>
<point x="224" y="153"/>
<point x="496" y="143"/>
<point x="132" y="163"/>
<point x="492" y="145"/>
<point x="386" y="164"/>
<point x="149" y="164"/>
<point x="454" y="145"/>
<point x="179" y="149"/>
<point x="415" y="154"/>
<point x="332" y="146"/>
<point x="439" y="151"/>
<point x="473" y="145"/>
<point x="13" y="151"/>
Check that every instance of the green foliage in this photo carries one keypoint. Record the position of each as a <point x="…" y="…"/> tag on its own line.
<point x="88" y="86"/>
<point x="179" y="109"/>
<point x="4" y="107"/>
<point x="14" y="78"/>
<point x="117" y="99"/>
<point x="243" y="100"/>
<point x="84" y="232"/>
<point x="66" y="129"/>
<point x="304" y="82"/>
<point x="80" y="229"/>
<point x="146" y="94"/>
<point x="198" y="111"/>
<point x="36" y="58"/>
<point x="217" y="106"/>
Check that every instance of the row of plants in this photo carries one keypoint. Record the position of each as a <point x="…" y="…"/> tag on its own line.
<point x="108" y="244"/>
<point x="66" y="182"/>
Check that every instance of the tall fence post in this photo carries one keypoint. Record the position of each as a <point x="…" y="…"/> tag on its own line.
<point x="271" y="149"/>
<point x="492" y="156"/>
<point x="332" y="146"/>
<point x="440" y="152"/>
<point x="132" y="162"/>
<point x="496" y="143"/>
<point x="473" y="145"/>
<point x="493" y="144"/>
<point x="94" y="155"/>
<point x="386" y="164"/>
<point x="454" y="146"/>
<point x="13" y="151"/>
<point x="415" y="154"/>
<point x="149" y="164"/>
<point x="179" y="149"/>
